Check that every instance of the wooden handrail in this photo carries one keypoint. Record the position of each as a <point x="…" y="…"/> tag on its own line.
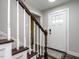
<point x="34" y="19"/>
<point x="30" y="14"/>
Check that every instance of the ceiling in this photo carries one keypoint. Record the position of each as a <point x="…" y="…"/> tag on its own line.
<point x="45" y="4"/>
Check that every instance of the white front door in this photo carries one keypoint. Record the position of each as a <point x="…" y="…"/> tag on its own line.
<point x="57" y="30"/>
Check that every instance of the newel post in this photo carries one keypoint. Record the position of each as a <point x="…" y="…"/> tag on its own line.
<point x="45" y="53"/>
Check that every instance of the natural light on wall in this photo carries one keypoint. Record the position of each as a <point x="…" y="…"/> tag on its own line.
<point x="51" y="0"/>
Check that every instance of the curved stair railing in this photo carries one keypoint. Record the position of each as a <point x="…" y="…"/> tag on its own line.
<point x="36" y="23"/>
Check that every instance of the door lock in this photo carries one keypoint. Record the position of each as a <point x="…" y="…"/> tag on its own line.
<point x="50" y="31"/>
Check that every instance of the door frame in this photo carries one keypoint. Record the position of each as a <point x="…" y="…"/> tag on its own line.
<point x="67" y="26"/>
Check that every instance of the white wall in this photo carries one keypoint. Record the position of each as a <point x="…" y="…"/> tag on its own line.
<point x="3" y="15"/>
<point x="3" y="19"/>
<point x="73" y="24"/>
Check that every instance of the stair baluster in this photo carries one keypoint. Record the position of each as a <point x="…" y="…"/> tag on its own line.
<point x="43" y="44"/>
<point x="9" y="29"/>
<point x="40" y="43"/>
<point x="34" y="37"/>
<point x="37" y="41"/>
<point x="18" y="26"/>
<point x="24" y="28"/>
<point x="30" y="35"/>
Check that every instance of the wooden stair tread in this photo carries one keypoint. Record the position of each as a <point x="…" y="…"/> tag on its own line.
<point x="31" y="55"/>
<point x="21" y="49"/>
<point x="4" y="41"/>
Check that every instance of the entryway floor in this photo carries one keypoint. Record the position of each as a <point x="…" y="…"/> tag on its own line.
<point x="67" y="57"/>
<point x="58" y="55"/>
<point x="71" y="57"/>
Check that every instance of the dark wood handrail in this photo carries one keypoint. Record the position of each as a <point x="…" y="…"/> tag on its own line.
<point x="34" y="19"/>
<point x="29" y="13"/>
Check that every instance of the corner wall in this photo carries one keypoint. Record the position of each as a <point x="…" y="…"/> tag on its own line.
<point x="73" y="24"/>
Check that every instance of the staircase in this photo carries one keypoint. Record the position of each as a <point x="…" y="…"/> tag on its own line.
<point x="36" y="49"/>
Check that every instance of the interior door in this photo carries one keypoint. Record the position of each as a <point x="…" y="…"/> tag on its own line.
<point x="57" y="30"/>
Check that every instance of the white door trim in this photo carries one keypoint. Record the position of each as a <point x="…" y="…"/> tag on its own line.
<point x="67" y="26"/>
<point x="67" y="30"/>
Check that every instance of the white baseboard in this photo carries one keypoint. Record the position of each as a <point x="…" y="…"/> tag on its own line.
<point x="73" y="53"/>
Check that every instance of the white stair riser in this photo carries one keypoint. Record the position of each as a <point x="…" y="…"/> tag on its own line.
<point x="5" y="51"/>
<point x="21" y="55"/>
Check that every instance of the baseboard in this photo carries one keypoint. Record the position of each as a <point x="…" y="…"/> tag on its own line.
<point x="56" y="50"/>
<point x="73" y="53"/>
